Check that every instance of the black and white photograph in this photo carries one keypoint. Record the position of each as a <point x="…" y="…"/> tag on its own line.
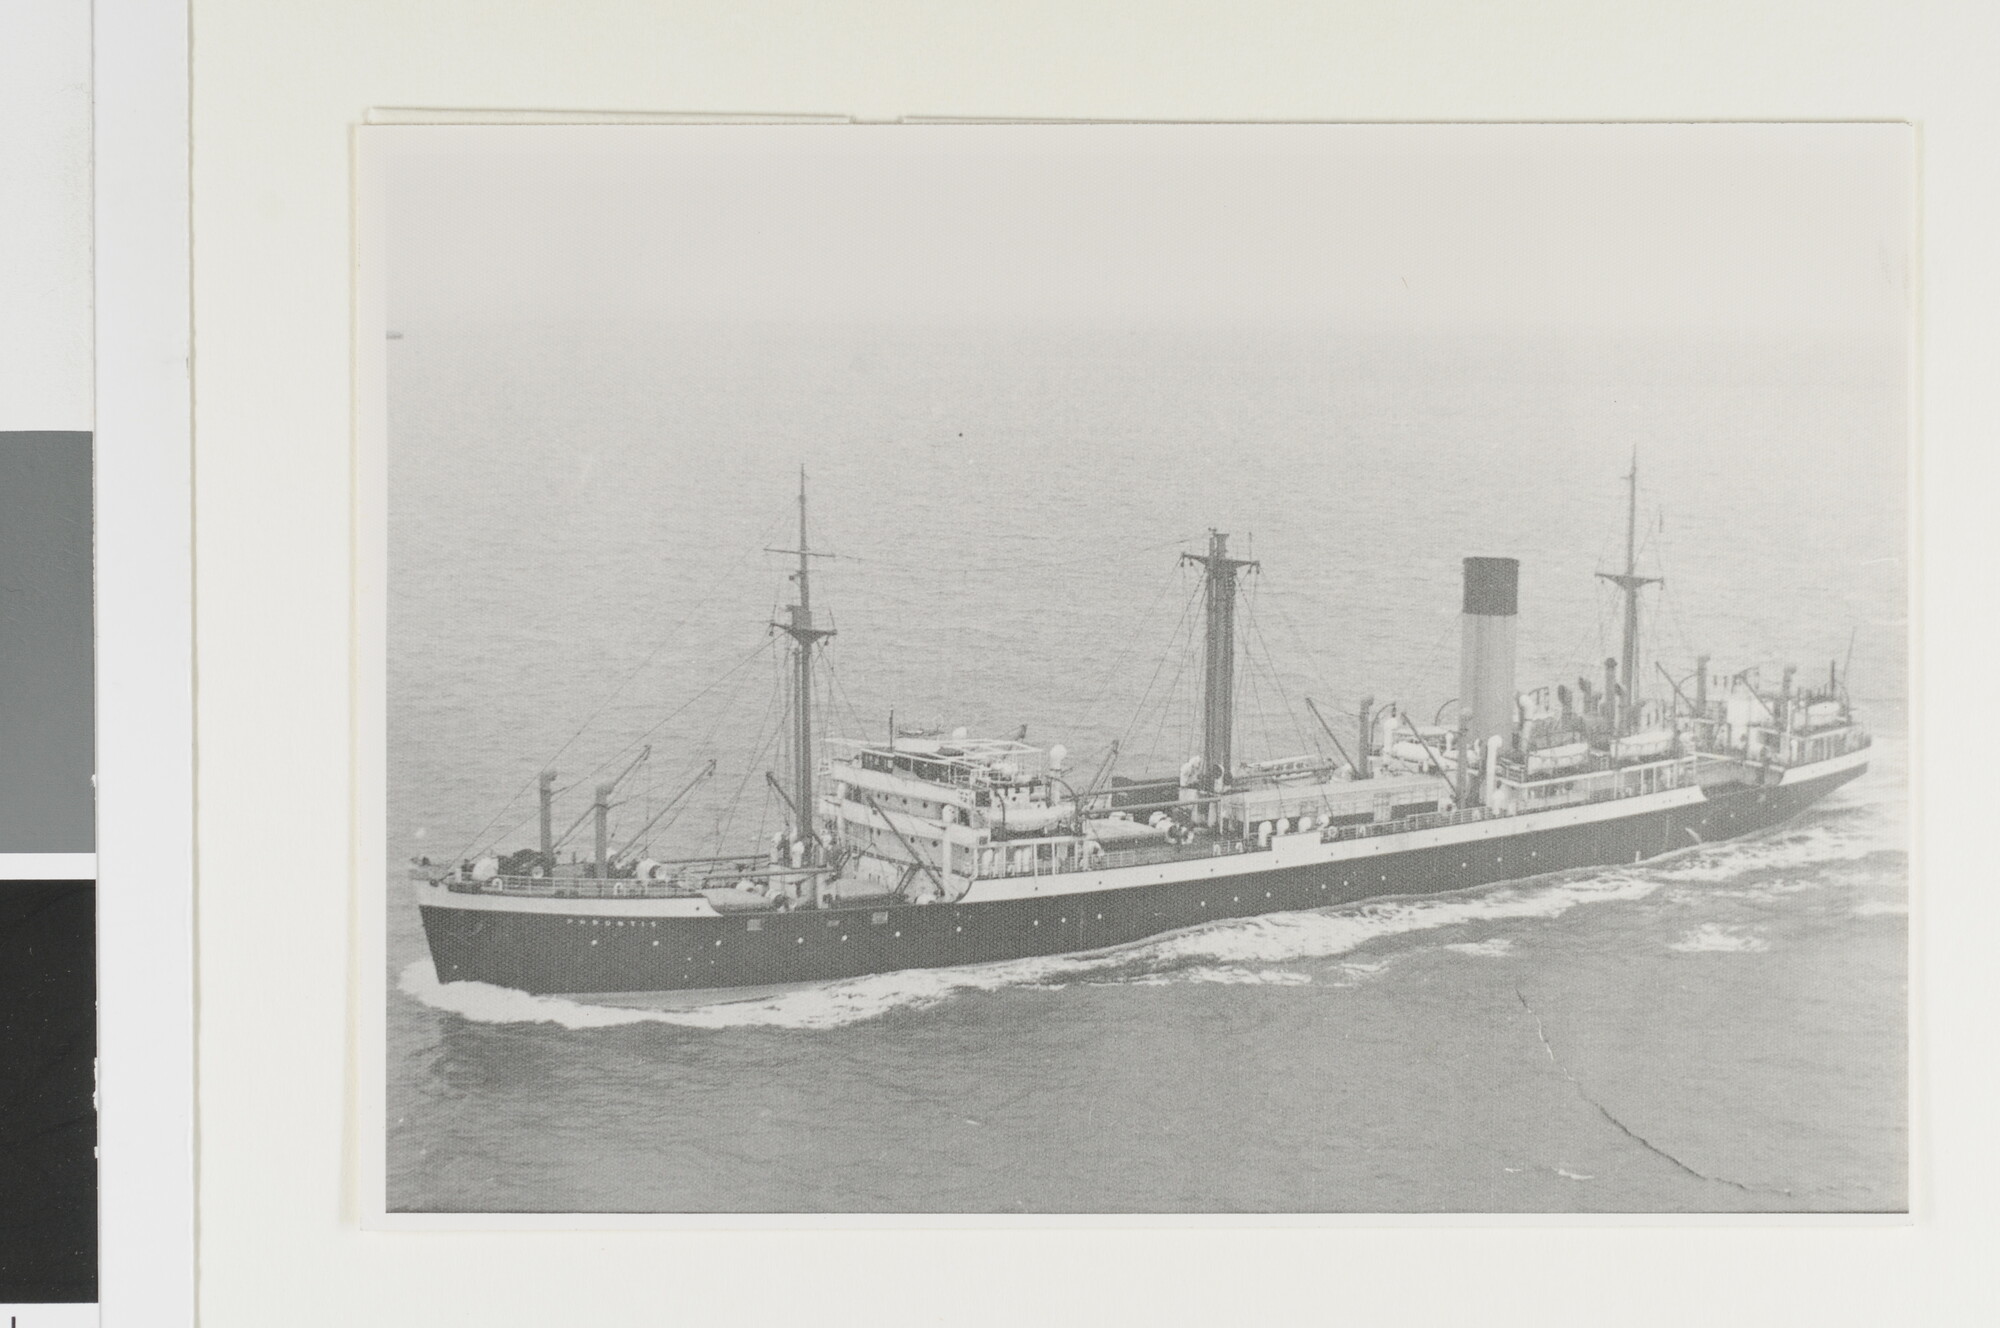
<point x="978" y="669"/>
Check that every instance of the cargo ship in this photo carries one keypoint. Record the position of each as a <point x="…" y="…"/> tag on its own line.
<point x="943" y="849"/>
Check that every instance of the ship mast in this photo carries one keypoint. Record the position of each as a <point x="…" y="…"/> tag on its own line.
<point x="1630" y="582"/>
<point x="799" y="626"/>
<point x="1219" y="661"/>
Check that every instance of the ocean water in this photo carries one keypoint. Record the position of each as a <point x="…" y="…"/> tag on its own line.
<point x="578" y="519"/>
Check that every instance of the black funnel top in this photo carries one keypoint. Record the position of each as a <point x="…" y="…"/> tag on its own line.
<point x="1491" y="586"/>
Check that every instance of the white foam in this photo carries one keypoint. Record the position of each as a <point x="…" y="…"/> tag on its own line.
<point x="1249" y="977"/>
<point x="1695" y="896"/>
<point x="1490" y="948"/>
<point x="1228" y="976"/>
<point x="1878" y="908"/>
<point x="1714" y="938"/>
<point x="1808" y="846"/>
<point x="830" y="1005"/>
<point x="1287" y="937"/>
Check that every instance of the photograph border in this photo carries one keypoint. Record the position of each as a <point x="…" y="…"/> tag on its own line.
<point x="367" y="1189"/>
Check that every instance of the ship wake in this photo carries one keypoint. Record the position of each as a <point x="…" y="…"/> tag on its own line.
<point x="1256" y="951"/>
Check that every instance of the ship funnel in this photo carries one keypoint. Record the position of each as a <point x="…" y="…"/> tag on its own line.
<point x="1486" y="650"/>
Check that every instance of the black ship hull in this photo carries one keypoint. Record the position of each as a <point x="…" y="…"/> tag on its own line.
<point x="584" y="952"/>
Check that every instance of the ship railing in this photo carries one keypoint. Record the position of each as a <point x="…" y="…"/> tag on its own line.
<point x="1809" y="746"/>
<point x="1403" y="825"/>
<point x="584" y="887"/>
<point x="1125" y="857"/>
<point x="1217" y="848"/>
<point x="1779" y="750"/>
<point x="1147" y="857"/>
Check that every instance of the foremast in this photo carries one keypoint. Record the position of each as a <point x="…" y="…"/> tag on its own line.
<point x="799" y="625"/>
<point x="1630" y="583"/>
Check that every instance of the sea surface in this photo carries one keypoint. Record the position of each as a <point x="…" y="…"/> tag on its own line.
<point x="579" y="519"/>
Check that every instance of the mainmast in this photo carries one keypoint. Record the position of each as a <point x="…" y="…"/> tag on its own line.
<point x="1219" y="661"/>
<point x="799" y="626"/>
<point x="1630" y="582"/>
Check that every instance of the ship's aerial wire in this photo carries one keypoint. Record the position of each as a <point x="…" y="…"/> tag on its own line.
<point x="708" y="740"/>
<point x="1173" y="576"/>
<point x="1249" y="678"/>
<point x="1263" y="712"/>
<point x="1166" y="704"/>
<point x="671" y="635"/>
<point x="1170" y="706"/>
<point x="1172" y="646"/>
<point x="768" y="734"/>
<point x="679" y="710"/>
<point x="837" y="688"/>
<point x="1311" y="657"/>
<point x="1122" y="552"/>
<point x="1277" y="680"/>
<point x="1669" y="601"/>
<point x="485" y="830"/>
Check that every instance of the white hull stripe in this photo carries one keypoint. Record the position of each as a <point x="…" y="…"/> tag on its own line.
<point x="1296" y="850"/>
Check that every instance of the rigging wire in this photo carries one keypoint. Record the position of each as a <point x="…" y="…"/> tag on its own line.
<point x="1249" y="679"/>
<point x="1174" y="574"/>
<point x="1306" y="739"/>
<point x="727" y="819"/>
<point x="1172" y="641"/>
<point x="1005" y="568"/>
<point x="481" y="837"/>
<point x="1170" y="707"/>
<point x="1310" y="656"/>
<point x="762" y="646"/>
<point x="667" y="638"/>
<point x="837" y="688"/>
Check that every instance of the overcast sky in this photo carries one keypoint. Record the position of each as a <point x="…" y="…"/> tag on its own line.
<point x="1753" y="228"/>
